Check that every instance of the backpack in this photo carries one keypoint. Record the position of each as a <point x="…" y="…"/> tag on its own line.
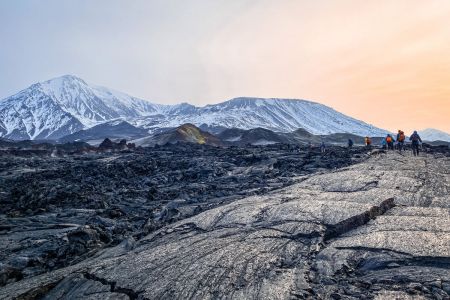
<point x="401" y="137"/>
<point x="389" y="139"/>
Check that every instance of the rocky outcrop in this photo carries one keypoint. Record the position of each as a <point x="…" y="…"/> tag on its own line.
<point x="378" y="229"/>
<point x="107" y="145"/>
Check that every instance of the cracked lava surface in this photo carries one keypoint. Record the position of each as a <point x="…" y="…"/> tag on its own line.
<point x="379" y="229"/>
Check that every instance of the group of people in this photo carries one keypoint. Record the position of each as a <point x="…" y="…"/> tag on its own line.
<point x="388" y="142"/>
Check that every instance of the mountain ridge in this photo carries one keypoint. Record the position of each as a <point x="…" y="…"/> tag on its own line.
<point x="67" y="104"/>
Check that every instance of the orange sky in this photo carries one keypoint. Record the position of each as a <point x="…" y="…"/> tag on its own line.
<point x="385" y="62"/>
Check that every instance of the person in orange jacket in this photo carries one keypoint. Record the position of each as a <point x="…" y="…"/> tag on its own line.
<point x="390" y="142"/>
<point x="401" y="140"/>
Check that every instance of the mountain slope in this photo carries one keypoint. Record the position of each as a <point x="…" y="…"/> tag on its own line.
<point x="431" y="134"/>
<point x="67" y="104"/>
<point x="31" y="114"/>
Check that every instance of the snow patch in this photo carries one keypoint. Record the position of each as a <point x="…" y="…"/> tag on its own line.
<point x="234" y="139"/>
<point x="263" y="142"/>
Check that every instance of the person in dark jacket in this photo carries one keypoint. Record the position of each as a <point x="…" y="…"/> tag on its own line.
<point x="415" y="141"/>
<point x="322" y="147"/>
<point x="350" y="143"/>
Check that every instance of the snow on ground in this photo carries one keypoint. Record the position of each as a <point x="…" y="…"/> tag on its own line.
<point x="263" y="142"/>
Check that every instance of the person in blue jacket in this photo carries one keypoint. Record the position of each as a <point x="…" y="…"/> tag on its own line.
<point x="383" y="143"/>
<point x="350" y="143"/>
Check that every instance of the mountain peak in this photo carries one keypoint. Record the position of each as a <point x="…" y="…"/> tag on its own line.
<point x="67" y="77"/>
<point x="64" y="80"/>
<point x="63" y="105"/>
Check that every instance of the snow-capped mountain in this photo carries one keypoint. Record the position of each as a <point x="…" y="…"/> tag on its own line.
<point x="67" y="104"/>
<point x="431" y="134"/>
<point x="284" y="115"/>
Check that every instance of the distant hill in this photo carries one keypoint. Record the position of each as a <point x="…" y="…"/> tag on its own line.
<point x="242" y="137"/>
<point x="260" y="136"/>
<point x="431" y="134"/>
<point x="439" y="143"/>
<point x="256" y="136"/>
<point x="113" y="130"/>
<point x="186" y="133"/>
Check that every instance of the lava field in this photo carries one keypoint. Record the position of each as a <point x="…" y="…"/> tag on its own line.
<point x="56" y="211"/>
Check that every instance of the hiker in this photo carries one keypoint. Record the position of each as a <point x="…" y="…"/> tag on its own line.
<point x="390" y="142"/>
<point x="400" y="140"/>
<point x="416" y="140"/>
<point x="367" y="141"/>
<point x="350" y="143"/>
<point x="322" y="147"/>
<point x="383" y="144"/>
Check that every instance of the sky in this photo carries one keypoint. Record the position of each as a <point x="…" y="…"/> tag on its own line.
<point x="386" y="62"/>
